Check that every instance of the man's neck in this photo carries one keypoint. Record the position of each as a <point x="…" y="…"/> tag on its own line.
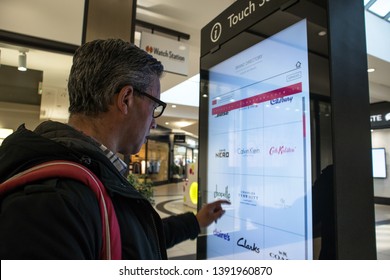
<point x="94" y="127"/>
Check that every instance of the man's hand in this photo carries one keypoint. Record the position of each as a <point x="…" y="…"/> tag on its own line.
<point x="211" y="212"/>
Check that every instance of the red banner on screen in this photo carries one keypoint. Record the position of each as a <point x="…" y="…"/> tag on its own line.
<point x="257" y="99"/>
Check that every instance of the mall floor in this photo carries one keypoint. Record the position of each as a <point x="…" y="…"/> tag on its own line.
<point x="168" y="203"/>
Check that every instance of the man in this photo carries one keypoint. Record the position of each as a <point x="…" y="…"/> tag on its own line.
<point x="114" y="91"/>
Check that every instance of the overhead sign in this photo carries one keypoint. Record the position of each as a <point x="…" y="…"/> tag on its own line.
<point x="173" y="54"/>
<point x="380" y="115"/>
<point x="236" y="18"/>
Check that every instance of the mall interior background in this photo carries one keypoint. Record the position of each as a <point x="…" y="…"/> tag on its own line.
<point x="173" y="148"/>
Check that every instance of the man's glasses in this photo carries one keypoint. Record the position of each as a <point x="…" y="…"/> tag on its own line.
<point x="159" y="109"/>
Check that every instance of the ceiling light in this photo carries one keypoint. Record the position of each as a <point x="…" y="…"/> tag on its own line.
<point x="182" y="124"/>
<point x="370" y="70"/>
<point x="4" y="132"/>
<point x="322" y="33"/>
<point x="173" y="106"/>
<point x="22" y="66"/>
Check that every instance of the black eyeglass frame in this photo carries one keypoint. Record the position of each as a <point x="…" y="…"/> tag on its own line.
<point x="158" y="101"/>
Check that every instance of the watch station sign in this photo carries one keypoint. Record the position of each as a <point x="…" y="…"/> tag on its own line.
<point x="172" y="53"/>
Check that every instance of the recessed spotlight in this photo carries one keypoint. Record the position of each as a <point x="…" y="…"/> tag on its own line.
<point x="166" y="123"/>
<point x="370" y="70"/>
<point x="173" y="106"/>
<point x="322" y="33"/>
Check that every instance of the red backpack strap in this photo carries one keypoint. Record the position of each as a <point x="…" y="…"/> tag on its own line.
<point x="111" y="248"/>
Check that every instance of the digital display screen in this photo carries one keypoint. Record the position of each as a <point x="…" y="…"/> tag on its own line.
<point x="379" y="163"/>
<point x="258" y="154"/>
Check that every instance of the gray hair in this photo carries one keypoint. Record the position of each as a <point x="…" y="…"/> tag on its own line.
<point x="102" y="67"/>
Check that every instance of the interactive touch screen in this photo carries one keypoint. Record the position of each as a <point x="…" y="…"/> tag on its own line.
<point x="259" y="151"/>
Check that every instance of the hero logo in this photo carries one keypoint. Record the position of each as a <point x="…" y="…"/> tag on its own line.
<point x="281" y="150"/>
<point x="222" y="154"/>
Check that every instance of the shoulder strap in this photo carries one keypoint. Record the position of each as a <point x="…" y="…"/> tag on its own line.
<point x="111" y="248"/>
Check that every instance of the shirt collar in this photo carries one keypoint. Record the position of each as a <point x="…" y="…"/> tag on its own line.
<point x="119" y="164"/>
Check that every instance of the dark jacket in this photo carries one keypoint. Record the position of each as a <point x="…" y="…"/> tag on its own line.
<point x="60" y="219"/>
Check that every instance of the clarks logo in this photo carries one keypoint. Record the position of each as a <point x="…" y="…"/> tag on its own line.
<point x="242" y="242"/>
<point x="281" y="150"/>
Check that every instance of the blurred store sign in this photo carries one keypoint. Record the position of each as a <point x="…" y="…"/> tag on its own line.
<point x="173" y="54"/>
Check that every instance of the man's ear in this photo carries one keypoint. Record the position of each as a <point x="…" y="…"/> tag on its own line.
<point x="125" y="99"/>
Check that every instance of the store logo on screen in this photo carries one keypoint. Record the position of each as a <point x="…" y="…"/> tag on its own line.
<point x="242" y="242"/>
<point x="220" y="234"/>
<point x="281" y="150"/>
<point x="225" y="194"/>
<point x="280" y="100"/>
<point x="279" y="256"/>
<point x="248" y="197"/>
<point x="248" y="151"/>
<point x="222" y="154"/>
<point x="222" y="114"/>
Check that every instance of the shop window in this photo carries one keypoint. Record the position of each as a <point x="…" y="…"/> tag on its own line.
<point x="182" y="157"/>
<point x="151" y="162"/>
<point x="157" y="161"/>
